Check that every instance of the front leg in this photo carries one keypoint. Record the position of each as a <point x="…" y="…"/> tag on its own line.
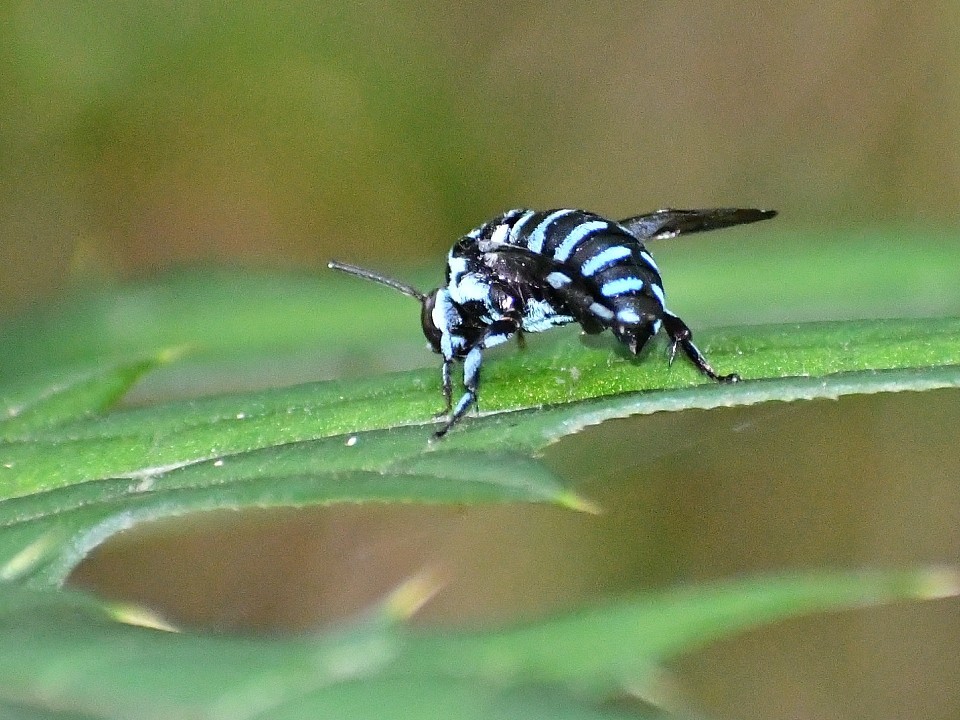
<point x="471" y="379"/>
<point x="496" y="333"/>
<point x="447" y="388"/>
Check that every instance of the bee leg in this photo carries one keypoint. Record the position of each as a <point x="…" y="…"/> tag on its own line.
<point x="497" y="333"/>
<point x="447" y="388"/>
<point x="680" y="337"/>
<point x="471" y="378"/>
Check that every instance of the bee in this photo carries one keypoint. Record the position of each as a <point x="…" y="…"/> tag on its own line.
<point x="527" y="271"/>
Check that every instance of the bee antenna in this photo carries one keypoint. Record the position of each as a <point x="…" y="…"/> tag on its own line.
<point x="383" y="280"/>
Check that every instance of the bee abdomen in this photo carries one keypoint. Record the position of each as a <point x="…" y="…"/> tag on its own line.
<point x="599" y="255"/>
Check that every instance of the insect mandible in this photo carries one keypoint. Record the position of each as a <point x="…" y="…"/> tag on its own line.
<point x="527" y="271"/>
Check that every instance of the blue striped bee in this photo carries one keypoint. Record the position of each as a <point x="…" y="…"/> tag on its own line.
<point x="528" y="271"/>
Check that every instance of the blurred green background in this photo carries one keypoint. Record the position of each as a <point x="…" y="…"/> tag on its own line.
<point x="139" y="136"/>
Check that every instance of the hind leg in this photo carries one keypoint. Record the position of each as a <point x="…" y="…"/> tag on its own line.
<point x="680" y="337"/>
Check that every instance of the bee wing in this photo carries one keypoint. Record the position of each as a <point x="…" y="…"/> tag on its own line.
<point x="524" y="270"/>
<point x="668" y="223"/>
<point x="518" y="266"/>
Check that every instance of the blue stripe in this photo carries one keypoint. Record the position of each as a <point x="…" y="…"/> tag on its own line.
<point x="576" y="236"/>
<point x="628" y="316"/>
<point x="648" y="259"/>
<point x="604" y="258"/>
<point x="535" y="243"/>
<point x="658" y="291"/>
<point x="518" y="226"/>
<point x="621" y="286"/>
<point x="601" y="311"/>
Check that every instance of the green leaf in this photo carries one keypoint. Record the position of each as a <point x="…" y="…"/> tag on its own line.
<point x="62" y="651"/>
<point x="367" y="441"/>
<point x="44" y="535"/>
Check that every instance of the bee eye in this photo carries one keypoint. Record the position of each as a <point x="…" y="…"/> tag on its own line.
<point x="430" y="329"/>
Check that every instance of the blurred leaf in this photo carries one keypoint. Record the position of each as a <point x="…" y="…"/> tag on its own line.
<point x="255" y="325"/>
<point x="612" y="647"/>
<point x="209" y="313"/>
<point x="19" y="712"/>
<point x="63" y="653"/>
<point x="442" y="697"/>
<point x="55" y="398"/>
<point x="785" y="274"/>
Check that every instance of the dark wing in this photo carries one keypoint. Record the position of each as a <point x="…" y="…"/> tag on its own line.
<point x="531" y="275"/>
<point x="664" y="224"/>
<point x="518" y="267"/>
